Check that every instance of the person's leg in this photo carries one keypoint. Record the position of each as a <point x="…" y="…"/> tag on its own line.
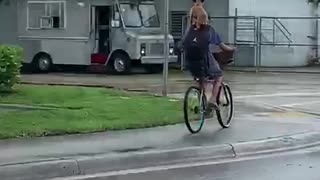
<point x="215" y="90"/>
<point x="217" y="75"/>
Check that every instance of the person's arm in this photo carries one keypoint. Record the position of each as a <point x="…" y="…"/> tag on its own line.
<point x="225" y="47"/>
<point x="216" y="40"/>
<point x="181" y="43"/>
<point x="222" y="45"/>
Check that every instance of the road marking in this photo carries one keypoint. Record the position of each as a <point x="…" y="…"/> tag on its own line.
<point x="302" y="103"/>
<point x="300" y="121"/>
<point x="275" y="95"/>
<point x="288" y="114"/>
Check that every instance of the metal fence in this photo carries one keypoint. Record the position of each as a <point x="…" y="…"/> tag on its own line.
<point x="267" y="41"/>
<point x="294" y="41"/>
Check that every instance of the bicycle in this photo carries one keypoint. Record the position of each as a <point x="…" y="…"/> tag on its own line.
<point x="200" y="108"/>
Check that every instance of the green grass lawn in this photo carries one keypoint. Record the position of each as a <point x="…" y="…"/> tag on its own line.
<point x="83" y="110"/>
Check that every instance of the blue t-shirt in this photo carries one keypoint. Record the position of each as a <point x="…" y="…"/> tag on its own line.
<point x="215" y="38"/>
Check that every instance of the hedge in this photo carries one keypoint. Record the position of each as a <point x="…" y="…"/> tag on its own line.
<point x="10" y="64"/>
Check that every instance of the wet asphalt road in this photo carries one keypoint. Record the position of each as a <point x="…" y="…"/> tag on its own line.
<point x="304" y="165"/>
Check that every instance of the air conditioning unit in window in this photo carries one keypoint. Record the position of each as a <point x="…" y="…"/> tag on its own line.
<point x="46" y="22"/>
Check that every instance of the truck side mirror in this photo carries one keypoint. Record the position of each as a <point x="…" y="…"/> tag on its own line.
<point x="115" y="20"/>
<point x="115" y="23"/>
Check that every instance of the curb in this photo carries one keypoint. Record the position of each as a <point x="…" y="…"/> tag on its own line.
<point x="23" y="107"/>
<point x="69" y="84"/>
<point x="276" y="145"/>
<point x="135" y="90"/>
<point x="154" y="158"/>
<point x="39" y="170"/>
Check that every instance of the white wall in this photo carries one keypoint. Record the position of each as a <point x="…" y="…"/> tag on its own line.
<point x="8" y="26"/>
<point x="300" y="29"/>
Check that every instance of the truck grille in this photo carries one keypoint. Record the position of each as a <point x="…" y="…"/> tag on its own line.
<point x="156" y="49"/>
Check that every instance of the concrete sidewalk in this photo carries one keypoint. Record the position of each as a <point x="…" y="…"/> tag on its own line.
<point x="56" y="155"/>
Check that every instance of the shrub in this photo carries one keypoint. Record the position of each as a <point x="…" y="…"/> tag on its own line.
<point x="10" y="64"/>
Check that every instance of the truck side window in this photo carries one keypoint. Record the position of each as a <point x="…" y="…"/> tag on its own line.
<point x="46" y="15"/>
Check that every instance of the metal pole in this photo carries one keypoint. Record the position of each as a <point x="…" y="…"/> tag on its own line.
<point x="260" y="44"/>
<point x="182" y="34"/>
<point x="259" y="34"/>
<point x="235" y="33"/>
<point x="316" y="34"/>
<point x="166" y="48"/>
<point x="274" y="31"/>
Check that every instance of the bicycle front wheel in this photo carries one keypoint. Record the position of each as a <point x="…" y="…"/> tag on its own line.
<point x="194" y="109"/>
<point x="225" y="102"/>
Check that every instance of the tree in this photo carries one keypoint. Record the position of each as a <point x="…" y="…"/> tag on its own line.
<point x="314" y="1"/>
<point x="5" y="2"/>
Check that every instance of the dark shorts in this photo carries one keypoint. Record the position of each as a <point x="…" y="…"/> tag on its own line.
<point x="204" y="69"/>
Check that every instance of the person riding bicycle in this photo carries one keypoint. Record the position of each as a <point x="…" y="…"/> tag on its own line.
<point x="222" y="49"/>
<point x="200" y="61"/>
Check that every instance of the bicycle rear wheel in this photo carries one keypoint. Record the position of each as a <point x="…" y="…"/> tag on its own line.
<point x="194" y="109"/>
<point x="225" y="102"/>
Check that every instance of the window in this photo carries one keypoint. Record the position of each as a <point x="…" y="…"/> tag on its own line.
<point x="149" y="15"/>
<point x="46" y="15"/>
<point x="177" y="23"/>
<point x="131" y="16"/>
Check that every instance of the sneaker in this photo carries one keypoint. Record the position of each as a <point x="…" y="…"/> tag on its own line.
<point x="213" y="106"/>
<point x="208" y="114"/>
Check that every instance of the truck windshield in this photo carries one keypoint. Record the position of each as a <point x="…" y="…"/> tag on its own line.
<point x="149" y="15"/>
<point x="135" y="15"/>
<point x="131" y="16"/>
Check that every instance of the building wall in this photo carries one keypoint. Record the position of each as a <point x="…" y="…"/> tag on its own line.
<point x="8" y="26"/>
<point x="280" y="56"/>
<point x="213" y="7"/>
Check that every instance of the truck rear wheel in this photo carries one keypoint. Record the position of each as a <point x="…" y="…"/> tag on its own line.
<point x="42" y="63"/>
<point x="121" y="63"/>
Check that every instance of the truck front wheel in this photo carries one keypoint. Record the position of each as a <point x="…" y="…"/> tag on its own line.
<point x="121" y="63"/>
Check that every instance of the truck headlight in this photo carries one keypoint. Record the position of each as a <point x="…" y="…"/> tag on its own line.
<point x="171" y="50"/>
<point x="143" y="49"/>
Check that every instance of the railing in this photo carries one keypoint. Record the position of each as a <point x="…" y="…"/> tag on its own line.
<point x="278" y="25"/>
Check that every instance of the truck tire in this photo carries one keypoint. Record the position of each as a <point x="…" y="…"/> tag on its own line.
<point x="121" y="63"/>
<point x="153" y="68"/>
<point x="42" y="63"/>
